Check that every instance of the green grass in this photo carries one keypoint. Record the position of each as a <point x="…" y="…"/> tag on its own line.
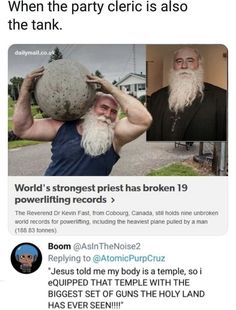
<point x="35" y="110"/>
<point x="9" y="124"/>
<point x="21" y="143"/>
<point x="10" y="112"/>
<point x="18" y="143"/>
<point x="11" y="105"/>
<point x="122" y="114"/>
<point x="177" y="169"/>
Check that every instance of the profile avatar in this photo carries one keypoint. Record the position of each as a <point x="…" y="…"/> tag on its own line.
<point x="26" y="258"/>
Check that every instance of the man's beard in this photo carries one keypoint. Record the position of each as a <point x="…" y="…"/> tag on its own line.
<point x="98" y="133"/>
<point x="185" y="86"/>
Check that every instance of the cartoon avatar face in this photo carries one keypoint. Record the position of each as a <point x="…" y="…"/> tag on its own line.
<point x="26" y="255"/>
<point x="26" y="259"/>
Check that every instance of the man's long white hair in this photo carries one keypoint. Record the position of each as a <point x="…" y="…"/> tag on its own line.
<point x="98" y="133"/>
<point x="184" y="87"/>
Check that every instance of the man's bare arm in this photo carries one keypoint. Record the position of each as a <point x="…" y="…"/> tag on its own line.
<point x="138" y="118"/>
<point x="24" y="125"/>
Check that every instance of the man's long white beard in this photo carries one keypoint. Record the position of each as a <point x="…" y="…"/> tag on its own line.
<point x="185" y="86"/>
<point x="98" y="133"/>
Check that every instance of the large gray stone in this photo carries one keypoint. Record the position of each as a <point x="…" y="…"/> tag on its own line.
<point x="62" y="92"/>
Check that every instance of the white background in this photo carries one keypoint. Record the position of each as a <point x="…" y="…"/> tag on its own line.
<point x="209" y="22"/>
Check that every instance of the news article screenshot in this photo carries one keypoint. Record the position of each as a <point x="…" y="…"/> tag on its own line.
<point x="117" y="178"/>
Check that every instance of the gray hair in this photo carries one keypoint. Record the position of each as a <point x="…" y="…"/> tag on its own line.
<point x="196" y="51"/>
<point x="100" y="95"/>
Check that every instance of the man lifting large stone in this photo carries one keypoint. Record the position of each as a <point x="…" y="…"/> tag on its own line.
<point x="89" y="145"/>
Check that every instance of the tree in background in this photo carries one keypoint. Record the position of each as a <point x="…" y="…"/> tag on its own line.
<point x="14" y="87"/>
<point x="99" y="74"/>
<point x="56" y="55"/>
